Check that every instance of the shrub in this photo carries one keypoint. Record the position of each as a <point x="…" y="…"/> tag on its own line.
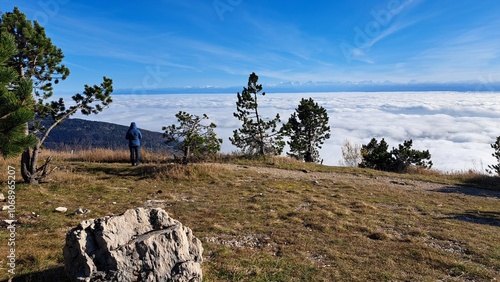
<point x="376" y="156"/>
<point x="351" y="153"/>
<point x="192" y="137"/>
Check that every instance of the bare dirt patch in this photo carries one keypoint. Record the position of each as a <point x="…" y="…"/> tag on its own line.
<point x="365" y="179"/>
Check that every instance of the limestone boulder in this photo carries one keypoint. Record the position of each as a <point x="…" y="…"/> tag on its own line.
<point x="143" y="244"/>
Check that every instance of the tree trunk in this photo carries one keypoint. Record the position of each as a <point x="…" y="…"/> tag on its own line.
<point x="308" y="158"/>
<point x="260" y="132"/>
<point x="29" y="159"/>
<point x="26" y="165"/>
<point x="30" y="171"/>
<point x="187" y="153"/>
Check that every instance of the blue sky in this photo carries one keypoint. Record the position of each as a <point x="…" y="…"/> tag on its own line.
<point x="164" y="44"/>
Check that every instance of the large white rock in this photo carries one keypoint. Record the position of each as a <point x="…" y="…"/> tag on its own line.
<point x="139" y="245"/>
<point x="61" y="209"/>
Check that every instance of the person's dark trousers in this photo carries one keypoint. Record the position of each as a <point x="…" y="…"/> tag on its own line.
<point x="135" y="155"/>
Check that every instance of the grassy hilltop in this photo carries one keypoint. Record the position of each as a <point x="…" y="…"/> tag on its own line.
<point x="274" y="219"/>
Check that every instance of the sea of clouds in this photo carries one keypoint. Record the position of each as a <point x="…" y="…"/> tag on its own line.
<point x="457" y="128"/>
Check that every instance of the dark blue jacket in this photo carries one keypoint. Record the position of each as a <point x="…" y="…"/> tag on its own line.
<point x="133" y="136"/>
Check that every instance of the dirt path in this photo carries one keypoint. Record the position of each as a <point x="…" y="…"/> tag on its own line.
<point x="360" y="178"/>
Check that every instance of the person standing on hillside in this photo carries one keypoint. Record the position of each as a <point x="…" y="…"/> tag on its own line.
<point x="134" y="137"/>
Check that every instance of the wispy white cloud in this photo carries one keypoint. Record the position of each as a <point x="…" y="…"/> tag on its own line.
<point x="469" y="54"/>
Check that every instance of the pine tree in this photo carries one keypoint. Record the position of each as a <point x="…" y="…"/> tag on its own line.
<point x="404" y="157"/>
<point x="376" y="156"/>
<point x="496" y="167"/>
<point x="39" y="60"/>
<point x="192" y="137"/>
<point x="16" y="104"/>
<point x="308" y="129"/>
<point x="256" y="135"/>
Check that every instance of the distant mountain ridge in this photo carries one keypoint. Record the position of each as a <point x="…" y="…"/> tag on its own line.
<point x="80" y="134"/>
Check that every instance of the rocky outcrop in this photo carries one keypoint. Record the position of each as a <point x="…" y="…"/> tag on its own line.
<point x="140" y="245"/>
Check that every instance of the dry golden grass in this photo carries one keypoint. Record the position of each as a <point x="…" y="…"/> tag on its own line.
<point x="100" y="155"/>
<point x="274" y="219"/>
